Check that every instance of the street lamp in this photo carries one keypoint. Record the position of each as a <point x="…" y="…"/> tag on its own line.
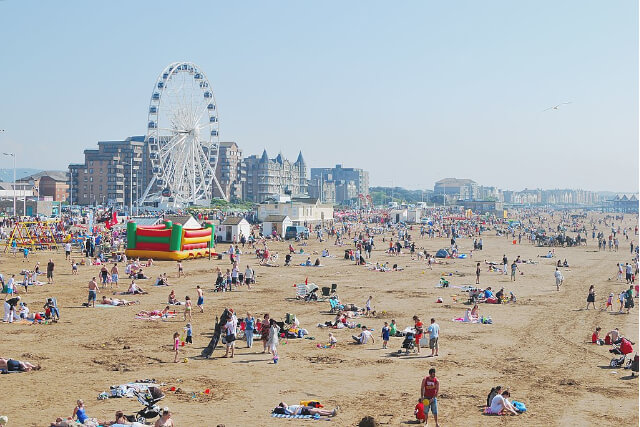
<point x="14" y="180"/>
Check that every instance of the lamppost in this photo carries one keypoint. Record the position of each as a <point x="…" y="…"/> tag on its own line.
<point x="14" y="180"/>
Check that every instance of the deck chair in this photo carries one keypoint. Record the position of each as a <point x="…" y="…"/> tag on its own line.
<point x="334" y="304"/>
<point x="334" y="286"/>
<point x="326" y="291"/>
<point x="301" y="290"/>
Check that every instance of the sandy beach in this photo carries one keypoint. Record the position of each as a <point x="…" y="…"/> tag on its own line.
<point x="539" y="347"/>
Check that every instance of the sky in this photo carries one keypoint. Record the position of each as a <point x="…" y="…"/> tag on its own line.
<point x="411" y="91"/>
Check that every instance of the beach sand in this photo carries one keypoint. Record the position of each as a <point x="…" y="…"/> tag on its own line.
<point x="539" y="347"/>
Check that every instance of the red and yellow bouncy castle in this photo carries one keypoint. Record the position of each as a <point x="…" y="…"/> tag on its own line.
<point x="168" y="241"/>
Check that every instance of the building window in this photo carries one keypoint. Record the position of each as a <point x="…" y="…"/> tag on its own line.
<point x="91" y="169"/>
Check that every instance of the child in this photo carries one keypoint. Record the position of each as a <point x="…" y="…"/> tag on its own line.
<point x="176" y="346"/>
<point x="393" y="329"/>
<point x="180" y="270"/>
<point x="609" y="302"/>
<point x="368" y="305"/>
<point x="595" y="338"/>
<point x="74" y="268"/>
<point x="385" y="334"/>
<point x="200" y="303"/>
<point x="332" y="341"/>
<point x="419" y="412"/>
<point x="187" y="308"/>
<point x="189" y="331"/>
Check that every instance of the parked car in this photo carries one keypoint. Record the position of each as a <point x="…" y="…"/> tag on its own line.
<point x="295" y="232"/>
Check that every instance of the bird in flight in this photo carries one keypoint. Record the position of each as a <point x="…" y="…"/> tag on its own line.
<point x="555" y="107"/>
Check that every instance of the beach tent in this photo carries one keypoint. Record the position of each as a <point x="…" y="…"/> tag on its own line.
<point x="442" y="253"/>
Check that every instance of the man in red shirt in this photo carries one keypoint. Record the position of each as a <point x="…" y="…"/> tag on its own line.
<point x="429" y="393"/>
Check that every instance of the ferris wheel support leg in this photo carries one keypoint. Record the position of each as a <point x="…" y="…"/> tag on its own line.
<point x="224" y="195"/>
<point x="146" y="192"/>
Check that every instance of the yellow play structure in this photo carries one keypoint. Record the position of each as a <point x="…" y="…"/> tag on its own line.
<point x="34" y="235"/>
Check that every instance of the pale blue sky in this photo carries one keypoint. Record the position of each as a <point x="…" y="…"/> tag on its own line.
<point x="411" y="91"/>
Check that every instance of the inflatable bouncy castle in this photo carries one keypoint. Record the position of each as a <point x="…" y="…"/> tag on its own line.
<point x="168" y="241"/>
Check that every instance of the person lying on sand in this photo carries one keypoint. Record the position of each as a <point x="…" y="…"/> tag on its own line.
<point x="304" y="410"/>
<point x="117" y="302"/>
<point x="11" y="365"/>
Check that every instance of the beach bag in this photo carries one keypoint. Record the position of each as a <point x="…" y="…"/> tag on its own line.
<point x="230" y="338"/>
<point x="519" y="406"/>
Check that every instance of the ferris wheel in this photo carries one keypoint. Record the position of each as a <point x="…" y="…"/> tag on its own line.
<point x="182" y="137"/>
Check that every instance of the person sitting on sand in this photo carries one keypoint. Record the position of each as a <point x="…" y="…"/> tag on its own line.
<point x="11" y="365"/>
<point x="165" y="419"/>
<point x="117" y="302"/>
<point x="595" y="337"/>
<point x="135" y="289"/>
<point x="494" y="391"/>
<point x="364" y="336"/>
<point x="120" y="419"/>
<point x="475" y="314"/>
<point x="304" y="410"/>
<point x="172" y="298"/>
<point x="500" y="405"/>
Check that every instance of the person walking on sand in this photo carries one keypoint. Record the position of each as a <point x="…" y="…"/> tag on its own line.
<point x="505" y="264"/>
<point x="477" y="273"/>
<point x="429" y="395"/>
<point x="434" y="334"/>
<point x="187" y="308"/>
<point x="93" y="292"/>
<point x="176" y="346"/>
<point x="249" y="325"/>
<point x="559" y="279"/>
<point x="180" y="270"/>
<point x="50" y="266"/>
<point x="230" y="329"/>
<point x="264" y="331"/>
<point x="419" y="328"/>
<point x="274" y="330"/>
<point x="514" y="268"/>
<point x="114" y="275"/>
<point x="591" y="298"/>
<point x="200" y="302"/>
<point x="385" y="335"/>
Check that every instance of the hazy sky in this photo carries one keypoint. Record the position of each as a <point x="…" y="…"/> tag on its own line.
<point x="411" y="91"/>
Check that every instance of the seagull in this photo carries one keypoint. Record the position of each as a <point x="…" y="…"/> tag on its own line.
<point x="555" y="107"/>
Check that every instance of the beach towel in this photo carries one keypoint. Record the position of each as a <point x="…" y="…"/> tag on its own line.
<point x="105" y="305"/>
<point x="308" y="417"/>
<point x="460" y="319"/>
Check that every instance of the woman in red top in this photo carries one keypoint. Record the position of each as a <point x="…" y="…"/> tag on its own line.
<point x="419" y="331"/>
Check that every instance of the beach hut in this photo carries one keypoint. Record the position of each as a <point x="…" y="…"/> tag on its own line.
<point x="276" y="224"/>
<point x="233" y="227"/>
